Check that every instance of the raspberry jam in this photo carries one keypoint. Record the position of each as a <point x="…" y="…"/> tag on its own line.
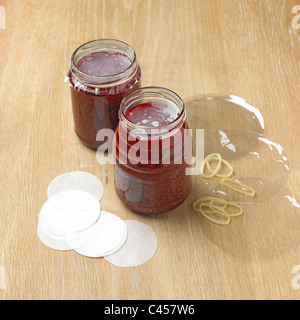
<point x="101" y="73"/>
<point x="150" y="144"/>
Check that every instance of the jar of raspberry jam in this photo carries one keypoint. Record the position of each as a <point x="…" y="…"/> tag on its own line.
<point x="101" y="73"/>
<point x="150" y="145"/>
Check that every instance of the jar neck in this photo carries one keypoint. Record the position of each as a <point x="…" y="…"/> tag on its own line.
<point x="155" y="95"/>
<point x="162" y="142"/>
<point x="103" y="46"/>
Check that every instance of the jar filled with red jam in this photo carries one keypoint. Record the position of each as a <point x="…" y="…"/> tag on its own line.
<point x="151" y="150"/>
<point x="101" y="73"/>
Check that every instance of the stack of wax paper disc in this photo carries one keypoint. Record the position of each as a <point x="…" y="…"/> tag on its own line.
<point x="72" y="219"/>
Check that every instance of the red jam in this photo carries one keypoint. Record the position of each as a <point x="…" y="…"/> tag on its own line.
<point x="153" y="179"/>
<point x="104" y="64"/>
<point x="99" y="81"/>
<point x="152" y="115"/>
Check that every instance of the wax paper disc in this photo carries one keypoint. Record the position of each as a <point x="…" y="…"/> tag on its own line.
<point x="76" y="180"/>
<point x="109" y="236"/>
<point x="140" y="246"/>
<point x="70" y="211"/>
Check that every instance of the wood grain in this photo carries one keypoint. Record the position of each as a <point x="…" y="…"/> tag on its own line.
<point x="246" y="48"/>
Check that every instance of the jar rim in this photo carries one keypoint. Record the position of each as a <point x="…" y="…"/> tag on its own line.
<point x="114" y="44"/>
<point x="152" y="91"/>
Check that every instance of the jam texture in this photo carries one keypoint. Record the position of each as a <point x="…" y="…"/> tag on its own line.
<point x="96" y="107"/>
<point x="158" y="182"/>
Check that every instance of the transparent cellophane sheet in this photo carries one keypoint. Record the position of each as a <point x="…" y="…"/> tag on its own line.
<point x="236" y="130"/>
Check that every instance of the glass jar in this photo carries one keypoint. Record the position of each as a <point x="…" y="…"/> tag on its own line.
<point x="151" y="149"/>
<point x="101" y="73"/>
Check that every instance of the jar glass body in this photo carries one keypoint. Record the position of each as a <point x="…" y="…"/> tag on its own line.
<point x="101" y="73"/>
<point x="151" y="149"/>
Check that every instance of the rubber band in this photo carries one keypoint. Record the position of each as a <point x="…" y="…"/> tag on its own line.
<point x="227" y="175"/>
<point x="210" y="216"/>
<point x="204" y="204"/>
<point x="205" y="199"/>
<point x="220" y="210"/>
<point x="212" y="203"/>
<point x="216" y="170"/>
<point x="249" y="193"/>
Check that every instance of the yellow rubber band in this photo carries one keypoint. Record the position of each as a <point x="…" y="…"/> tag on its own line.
<point x="250" y="192"/>
<point x="212" y="203"/>
<point x="220" y="210"/>
<point x="210" y="216"/>
<point x="216" y="170"/>
<point x="213" y="209"/>
<point x="227" y="175"/>
<point x="208" y="199"/>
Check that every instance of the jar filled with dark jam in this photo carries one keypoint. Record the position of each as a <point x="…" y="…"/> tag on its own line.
<point x="101" y="73"/>
<point x="151" y="151"/>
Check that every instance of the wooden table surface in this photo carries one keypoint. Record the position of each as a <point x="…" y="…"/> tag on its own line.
<point x="246" y="48"/>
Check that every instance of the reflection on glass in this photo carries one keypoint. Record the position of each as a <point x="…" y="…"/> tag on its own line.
<point x="218" y="112"/>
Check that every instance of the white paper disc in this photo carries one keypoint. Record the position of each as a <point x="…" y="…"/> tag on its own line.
<point x="78" y="239"/>
<point x="76" y="180"/>
<point x="53" y="241"/>
<point x="70" y="211"/>
<point x="63" y="242"/>
<point x="109" y="236"/>
<point x="140" y="246"/>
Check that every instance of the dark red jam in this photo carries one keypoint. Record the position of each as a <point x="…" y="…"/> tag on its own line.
<point x="102" y="64"/>
<point x="153" y="178"/>
<point x="99" y="81"/>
